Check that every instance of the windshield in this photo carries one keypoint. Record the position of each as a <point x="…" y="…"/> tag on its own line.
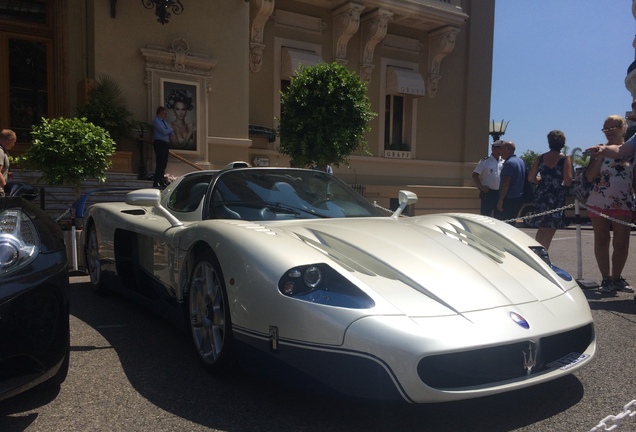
<point x="272" y="194"/>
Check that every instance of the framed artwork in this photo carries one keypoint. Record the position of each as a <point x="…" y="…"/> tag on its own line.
<point x="180" y="81"/>
<point x="180" y="99"/>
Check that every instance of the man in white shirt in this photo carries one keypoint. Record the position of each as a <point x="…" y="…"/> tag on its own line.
<point x="486" y="177"/>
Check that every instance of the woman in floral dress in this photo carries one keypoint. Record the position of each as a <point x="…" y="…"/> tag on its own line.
<point x="611" y="196"/>
<point x="552" y="172"/>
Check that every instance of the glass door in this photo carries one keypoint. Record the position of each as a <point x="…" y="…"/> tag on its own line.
<point x="26" y="66"/>
<point x="28" y="84"/>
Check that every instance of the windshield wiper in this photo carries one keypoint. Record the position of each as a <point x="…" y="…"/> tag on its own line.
<point x="282" y="208"/>
<point x="273" y="206"/>
<point x="278" y="207"/>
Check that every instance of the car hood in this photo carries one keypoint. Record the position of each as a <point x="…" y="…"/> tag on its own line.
<point x="458" y="263"/>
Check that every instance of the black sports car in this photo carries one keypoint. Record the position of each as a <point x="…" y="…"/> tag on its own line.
<point x="34" y="297"/>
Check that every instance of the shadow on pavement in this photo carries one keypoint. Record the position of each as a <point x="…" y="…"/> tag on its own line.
<point x="620" y="302"/>
<point x="159" y="361"/>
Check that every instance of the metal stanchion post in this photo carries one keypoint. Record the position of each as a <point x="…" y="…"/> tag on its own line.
<point x="583" y="283"/>
<point x="75" y="271"/>
<point x="74" y="246"/>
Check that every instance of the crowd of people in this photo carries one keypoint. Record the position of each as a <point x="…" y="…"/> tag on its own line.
<point x="500" y="179"/>
<point x="611" y="204"/>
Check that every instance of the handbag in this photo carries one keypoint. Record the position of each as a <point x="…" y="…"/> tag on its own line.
<point x="581" y="187"/>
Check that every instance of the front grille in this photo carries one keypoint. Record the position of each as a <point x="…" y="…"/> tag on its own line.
<point x="500" y="363"/>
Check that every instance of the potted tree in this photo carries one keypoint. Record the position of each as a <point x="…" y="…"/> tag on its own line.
<point x="69" y="150"/>
<point x="326" y="112"/>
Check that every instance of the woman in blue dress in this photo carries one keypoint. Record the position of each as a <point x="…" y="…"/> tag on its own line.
<point x="552" y="173"/>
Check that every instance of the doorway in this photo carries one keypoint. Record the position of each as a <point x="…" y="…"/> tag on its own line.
<point x="26" y="66"/>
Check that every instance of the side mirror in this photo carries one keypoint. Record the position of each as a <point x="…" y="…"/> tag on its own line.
<point x="20" y="189"/>
<point x="151" y="198"/>
<point x="405" y="198"/>
<point x="144" y="197"/>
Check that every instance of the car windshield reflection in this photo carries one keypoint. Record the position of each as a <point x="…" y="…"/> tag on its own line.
<point x="278" y="194"/>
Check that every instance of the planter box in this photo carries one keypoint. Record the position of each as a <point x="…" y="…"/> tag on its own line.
<point x="122" y="162"/>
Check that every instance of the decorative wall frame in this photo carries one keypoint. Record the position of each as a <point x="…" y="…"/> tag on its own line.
<point x="180" y="70"/>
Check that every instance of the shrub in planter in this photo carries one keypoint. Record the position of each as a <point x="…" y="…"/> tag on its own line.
<point x="69" y="150"/>
<point x="106" y="108"/>
<point x="325" y="113"/>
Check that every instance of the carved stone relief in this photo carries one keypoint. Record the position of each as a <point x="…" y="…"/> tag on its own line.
<point x="373" y="31"/>
<point x="262" y="12"/>
<point x="346" y="24"/>
<point x="178" y="58"/>
<point x="440" y="43"/>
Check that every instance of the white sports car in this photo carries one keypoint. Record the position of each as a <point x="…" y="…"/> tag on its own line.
<point x="291" y="272"/>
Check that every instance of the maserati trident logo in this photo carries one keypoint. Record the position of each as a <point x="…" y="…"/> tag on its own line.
<point x="521" y="321"/>
<point x="530" y="357"/>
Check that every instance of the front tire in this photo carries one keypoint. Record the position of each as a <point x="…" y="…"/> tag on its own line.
<point x="209" y="314"/>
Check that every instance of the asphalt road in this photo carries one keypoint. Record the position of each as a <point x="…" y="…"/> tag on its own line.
<point x="130" y="371"/>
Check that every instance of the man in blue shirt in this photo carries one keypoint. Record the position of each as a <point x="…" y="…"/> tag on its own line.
<point x="512" y="178"/>
<point x="162" y="135"/>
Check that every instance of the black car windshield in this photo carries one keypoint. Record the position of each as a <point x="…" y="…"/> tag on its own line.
<point x="273" y="194"/>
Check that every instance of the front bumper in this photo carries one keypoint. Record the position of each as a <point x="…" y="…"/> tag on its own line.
<point x="34" y="323"/>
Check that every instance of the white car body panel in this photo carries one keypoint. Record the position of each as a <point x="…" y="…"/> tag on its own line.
<point x="440" y="284"/>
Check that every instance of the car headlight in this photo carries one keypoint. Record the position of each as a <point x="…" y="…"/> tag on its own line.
<point x="319" y="283"/>
<point x="18" y="241"/>
<point x="312" y="276"/>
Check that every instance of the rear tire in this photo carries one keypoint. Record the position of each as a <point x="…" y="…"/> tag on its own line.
<point x="93" y="263"/>
<point x="209" y="314"/>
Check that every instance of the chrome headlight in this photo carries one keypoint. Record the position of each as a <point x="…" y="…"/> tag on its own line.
<point x="312" y="277"/>
<point x="543" y="254"/>
<point x="18" y="241"/>
<point x="319" y="283"/>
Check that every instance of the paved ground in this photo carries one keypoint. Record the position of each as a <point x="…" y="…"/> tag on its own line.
<point x="130" y="371"/>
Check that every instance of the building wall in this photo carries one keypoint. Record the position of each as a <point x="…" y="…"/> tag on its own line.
<point x="451" y="132"/>
<point x="450" y="126"/>
<point x="103" y="45"/>
<point x="479" y="63"/>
